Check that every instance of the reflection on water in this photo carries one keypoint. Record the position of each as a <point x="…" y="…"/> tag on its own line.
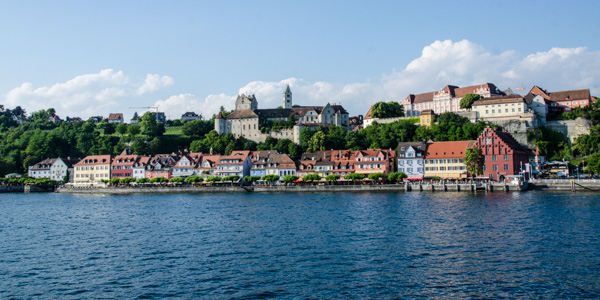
<point x="380" y="245"/>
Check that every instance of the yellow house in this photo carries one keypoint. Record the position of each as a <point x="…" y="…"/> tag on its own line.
<point x="427" y="117"/>
<point x="445" y="159"/>
<point x="92" y="169"/>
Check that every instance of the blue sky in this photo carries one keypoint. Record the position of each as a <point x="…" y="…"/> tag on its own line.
<point x="85" y="58"/>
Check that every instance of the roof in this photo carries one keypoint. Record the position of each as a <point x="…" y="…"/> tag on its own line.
<point x="116" y="116"/>
<point x="275" y="113"/>
<point x="461" y="92"/>
<point x="499" y="100"/>
<point x="124" y="160"/>
<point x="453" y="149"/>
<point x="419" y="98"/>
<point x="44" y="164"/>
<point x="570" y="95"/>
<point x="415" y="146"/>
<point x="427" y="112"/>
<point x="220" y="116"/>
<point x="189" y="114"/>
<point x="242" y="114"/>
<point x="94" y="160"/>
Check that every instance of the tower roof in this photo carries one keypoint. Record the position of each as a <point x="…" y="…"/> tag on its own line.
<point x="287" y="88"/>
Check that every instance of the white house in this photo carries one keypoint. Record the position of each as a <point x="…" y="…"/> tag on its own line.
<point x="411" y="157"/>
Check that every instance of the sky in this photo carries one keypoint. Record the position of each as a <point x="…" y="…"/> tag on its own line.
<point x="87" y="58"/>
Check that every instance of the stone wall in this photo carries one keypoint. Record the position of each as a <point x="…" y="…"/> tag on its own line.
<point x="571" y="128"/>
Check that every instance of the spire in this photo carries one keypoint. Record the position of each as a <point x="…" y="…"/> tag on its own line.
<point x="287" y="88"/>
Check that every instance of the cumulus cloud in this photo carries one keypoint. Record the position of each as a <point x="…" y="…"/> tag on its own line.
<point x="154" y="82"/>
<point x="176" y="105"/>
<point x="460" y="63"/>
<point x="85" y="95"/>
<point x="441" y="63"/>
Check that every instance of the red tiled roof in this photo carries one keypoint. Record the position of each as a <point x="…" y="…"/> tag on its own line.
<point x="123" y="158"/>
<point x="454" y="149"/>
<point x="94" y="160"/>
<point x="570" y="95"/>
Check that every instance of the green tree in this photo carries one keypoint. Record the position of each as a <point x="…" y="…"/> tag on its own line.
<point x="376" y="176"/>
<point x="311" y="177"/>
<point x="354" y="177"/>
<point x="396" y="176"/>
<point x="121" y="129"/>
<point x="290" y="178"/>
<point x="593" y="164"/>
<point x="213" y="179"/>
<point x="158" y="180"/>
<point x="270" y="178"/>
<point x="251" y="178"/>
<point x="194" y="179"/>
<point x="387" y="110"/>
<point x="176" y="180"/>
<point x="142" y="180"/>
<point x="474" y="161"/>
<point x="150" y="126"/>
<point x="232" y="178"/>
<point x="133" y="130"/>
<point x="467" y="101"/>
<point x="317" y="142"/>
<point x="333" y="178"/>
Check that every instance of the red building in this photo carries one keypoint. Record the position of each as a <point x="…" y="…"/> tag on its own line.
<point x="122" y="165"/>
<point x="503" y="154"/>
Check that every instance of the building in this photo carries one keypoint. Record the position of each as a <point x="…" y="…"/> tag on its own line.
<point x="411" y="159"/>
<point x="190" y="116"/>
<point x="92" y="169"/>
<point x="160" y="165"/>
<point x="503" y="154"/>
<point x="139" y="167"/>
<point x="343" y="162"/>
<point x="96" y="119"/>
<point x="446" y="159"/>
<point x="280" y="165"/>
<point x="123" y="164"/>
<point x="260" y="161"/>
<point x="427" y="117"/>
<point x="504" y="108"/>
<point x="446" y="100"/>
<point x="238" y="163"/>
<point x="247" y="120"/>
<point x="564" y="101"/>
<point x="207" y="166"/>
<point x="374" y="161"/>
<point x="186" y="165"/>
<point x="115" y="118"/>
<point x="53" y="168"/>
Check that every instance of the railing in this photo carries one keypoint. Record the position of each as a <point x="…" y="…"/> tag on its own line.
<point x="565" y="180"/>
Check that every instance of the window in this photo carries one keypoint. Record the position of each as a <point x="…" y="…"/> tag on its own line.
<point x="495" y="167"/>
<point x="513" y="110"/>
<point x="505" y="157"/>
<point x="494" y="158"/>
<point x="506" y="110"/>
<point x="505" y="167"/>
<point x="484" y="169"/>
<point x="519" y="109"/>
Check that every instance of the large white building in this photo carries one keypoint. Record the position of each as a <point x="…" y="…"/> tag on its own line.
<point x="52" y="168"/>
<point x="246" y="120"/>
<point x="446" y="100"/>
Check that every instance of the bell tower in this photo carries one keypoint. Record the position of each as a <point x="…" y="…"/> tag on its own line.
<point x="287" y="97"/>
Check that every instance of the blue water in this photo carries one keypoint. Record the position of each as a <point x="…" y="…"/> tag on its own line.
<point x="257" y="246"/>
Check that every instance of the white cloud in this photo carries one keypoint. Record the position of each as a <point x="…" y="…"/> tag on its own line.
<point x="85" y="95"/>
<point x="176" y="105"/>
<point x="153" y="83"/>
<point x="459" y="63"/>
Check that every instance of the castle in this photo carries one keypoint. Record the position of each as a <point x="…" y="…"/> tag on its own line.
<point x="246" y="120"/>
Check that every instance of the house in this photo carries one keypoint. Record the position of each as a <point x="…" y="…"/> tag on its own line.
<point x="160" y="165"/>
<point x="41" y="169"/>
<point x="280" y="165"/>
<point x="446" y="159"/>
<point x="96" y="119"/>
<point x="374" y="161"/>
<point x="206" y="167"/>
<point x="306" y="164"/>
<point x="411" y="159"/>
<point x="447" y="99"/>
<point x="53" y="168"/>
<point x="503" y="154"/>
<point x="54" y="119"/>
<point x="134" y="119"/>
<point x="139" y="167"/>
<point x="564" y="101"/>
<point x="74" y="119"/>
<point x="190" y="116"/>
<point x="343" y="162"/>
<point x="505" y="108"/>
<point x="238" y="163"/>
<point x="186" y="165"/>
<point x="92" y="169"/>
<point x="123" y="165"/>
<point x="427" y="117"/>
<point x="260" y="160"/>
<point x="116" y="118"/>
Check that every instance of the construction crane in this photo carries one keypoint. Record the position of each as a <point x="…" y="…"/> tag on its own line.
<point x="148" y="107"/>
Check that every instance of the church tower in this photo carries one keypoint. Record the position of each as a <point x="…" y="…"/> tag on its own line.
<point x="287" y="97"/>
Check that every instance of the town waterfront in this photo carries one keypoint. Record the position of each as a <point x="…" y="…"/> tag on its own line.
<point x="320" y="245"/>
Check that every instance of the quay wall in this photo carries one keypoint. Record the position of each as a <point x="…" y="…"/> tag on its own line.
<point x="295" y="189"/>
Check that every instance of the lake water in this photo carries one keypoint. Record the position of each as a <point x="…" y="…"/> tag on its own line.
<point x="325" y="245"/>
